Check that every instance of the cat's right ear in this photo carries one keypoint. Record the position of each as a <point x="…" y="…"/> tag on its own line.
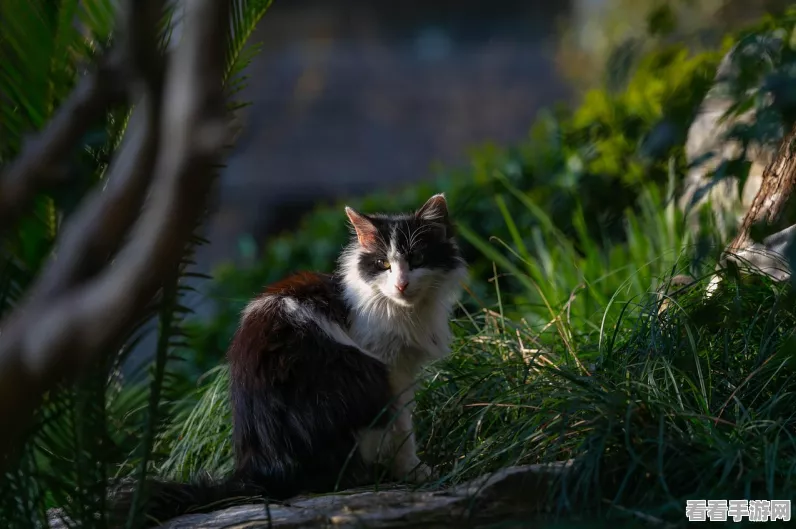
<point x="366" y="231"/>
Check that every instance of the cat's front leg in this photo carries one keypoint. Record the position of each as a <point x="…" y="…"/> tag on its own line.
<point x="395" y="445"/>
<point x="406" y="464"/>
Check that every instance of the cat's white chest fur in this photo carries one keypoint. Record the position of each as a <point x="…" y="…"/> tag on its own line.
<point x="401" y="276"/>
<point x="403" y="337"/>
<point x="406" y="339"/>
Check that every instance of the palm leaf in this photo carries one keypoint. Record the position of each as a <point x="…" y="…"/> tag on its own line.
<point x="191" y="445"/>
<point x="245" y="16"/>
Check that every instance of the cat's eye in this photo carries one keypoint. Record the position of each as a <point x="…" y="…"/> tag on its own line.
<point x="415" y="259"/>
<point x="384" y="265"/>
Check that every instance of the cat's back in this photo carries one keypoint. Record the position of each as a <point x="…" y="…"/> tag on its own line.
<point x="286" y="312"/>
<point x="300" y="297"/>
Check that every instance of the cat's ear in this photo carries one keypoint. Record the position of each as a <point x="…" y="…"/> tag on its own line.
<point x="366" y="230"/>
<point x="435" y="210"/>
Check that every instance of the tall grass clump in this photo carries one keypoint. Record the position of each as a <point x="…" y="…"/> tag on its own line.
<point x="654" y="407"/>
<point x="577" y="285"/>
<point x="697" y="403"/>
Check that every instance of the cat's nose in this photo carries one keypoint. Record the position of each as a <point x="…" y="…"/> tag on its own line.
<point x="402" y="286"/>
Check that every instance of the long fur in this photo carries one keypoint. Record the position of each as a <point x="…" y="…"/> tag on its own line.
<point x="318" y="362"/>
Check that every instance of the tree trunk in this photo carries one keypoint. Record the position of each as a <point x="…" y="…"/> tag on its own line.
<point x="767" y="226"/>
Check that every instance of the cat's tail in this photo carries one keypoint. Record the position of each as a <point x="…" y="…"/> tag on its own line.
<point x="168" y="499"/>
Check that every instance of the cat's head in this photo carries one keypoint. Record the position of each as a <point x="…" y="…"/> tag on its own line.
<point x="405" y="258"/>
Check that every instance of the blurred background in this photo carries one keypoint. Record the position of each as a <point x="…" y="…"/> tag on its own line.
<point x="350" y="96"/>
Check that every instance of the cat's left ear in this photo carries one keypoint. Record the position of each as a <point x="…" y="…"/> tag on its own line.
<point x="435" y="210"/>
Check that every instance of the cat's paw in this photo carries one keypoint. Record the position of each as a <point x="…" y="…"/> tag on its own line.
<point x="421" y="473"/>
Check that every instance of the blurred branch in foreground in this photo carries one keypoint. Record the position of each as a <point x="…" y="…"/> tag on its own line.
<point x="129" y="235"/>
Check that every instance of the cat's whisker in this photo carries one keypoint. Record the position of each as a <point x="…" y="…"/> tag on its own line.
<point x="416" y="234"/>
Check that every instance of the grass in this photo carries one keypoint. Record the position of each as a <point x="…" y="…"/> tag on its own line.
<point x="695" y="405"/>
<point x="571" y="360"/>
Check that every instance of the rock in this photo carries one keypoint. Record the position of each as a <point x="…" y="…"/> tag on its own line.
<point x="669" y="292"/>
<point x="707" y="146"/>
<point x="515" y="492"/>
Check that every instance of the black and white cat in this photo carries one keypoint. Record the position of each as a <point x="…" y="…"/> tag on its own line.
<point x="323" y="366"/>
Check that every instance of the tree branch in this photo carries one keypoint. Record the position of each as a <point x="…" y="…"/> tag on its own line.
<point x="35" y="168"/>
<point x="97" y="230"/>
<point x="68" y="323"/>
<point x="767" y="228"/>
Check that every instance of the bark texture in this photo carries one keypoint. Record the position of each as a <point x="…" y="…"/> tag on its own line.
<point x="767" y="229"/>
<point x="771" y="206"/>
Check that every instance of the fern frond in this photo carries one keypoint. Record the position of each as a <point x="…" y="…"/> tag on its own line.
<point x="245" y="15"/>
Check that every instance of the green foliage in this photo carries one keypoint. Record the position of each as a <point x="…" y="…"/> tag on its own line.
<point x="578" y="274"/>
<point x="759" y="79"/>
<point x="198" y="440"/>
<point x="697" y="404"/>
<point x="40" y="45"/>
<point x="87" y="435"/>
<point x="40" y="54"/>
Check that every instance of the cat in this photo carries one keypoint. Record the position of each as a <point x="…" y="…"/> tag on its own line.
<point x="323" y="366"/>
